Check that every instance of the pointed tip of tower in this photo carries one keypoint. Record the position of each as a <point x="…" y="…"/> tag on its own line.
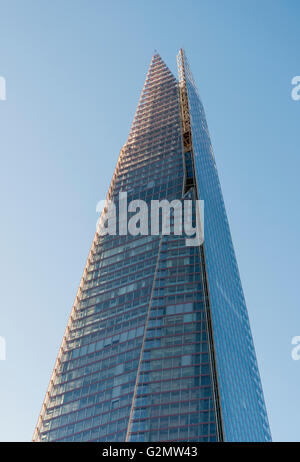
<point x="156" y="58"/>
<point x="156" y="55"/>
<point x="181" y="52"/>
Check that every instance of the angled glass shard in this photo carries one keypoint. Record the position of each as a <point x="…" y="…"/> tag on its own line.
<point x="158" y="345"/>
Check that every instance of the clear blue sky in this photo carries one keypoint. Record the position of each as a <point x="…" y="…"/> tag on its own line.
<point x="74" y="71"/>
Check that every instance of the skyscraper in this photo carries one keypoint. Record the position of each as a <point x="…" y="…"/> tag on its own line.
<point x="158" y="345"/>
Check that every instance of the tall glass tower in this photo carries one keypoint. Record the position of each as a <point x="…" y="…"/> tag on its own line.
<point x="158" y="345"/>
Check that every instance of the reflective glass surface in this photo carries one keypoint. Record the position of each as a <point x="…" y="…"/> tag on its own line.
<point x="242" y="401"/>
<point x="137" y="361"/>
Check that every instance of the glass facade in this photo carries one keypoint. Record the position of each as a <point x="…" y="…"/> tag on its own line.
<point x="243" y="408"/>
<point x="158" y="345"/>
